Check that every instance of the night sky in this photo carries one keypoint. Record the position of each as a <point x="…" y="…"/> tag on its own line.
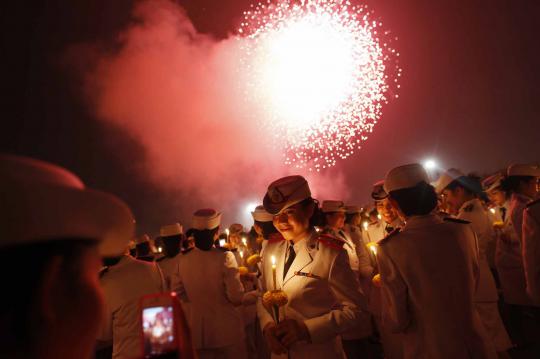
<point x="469" y="96"/>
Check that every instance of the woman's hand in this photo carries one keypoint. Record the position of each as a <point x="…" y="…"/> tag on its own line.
<point x="272" y="339"/>
<point x="291" y="331"/>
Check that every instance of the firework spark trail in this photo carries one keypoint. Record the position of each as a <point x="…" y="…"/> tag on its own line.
<point x="322" y="70"/>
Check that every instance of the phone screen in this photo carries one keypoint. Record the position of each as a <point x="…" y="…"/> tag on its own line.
<point x="158" y="329"/>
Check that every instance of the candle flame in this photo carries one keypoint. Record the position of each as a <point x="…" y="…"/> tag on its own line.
<point x="244" y="241"/>
<point x="365" y="224"/>
<point x="273" y="260"/>
<point x="221" y="242"/>
<point x="373" y="248"/>
<point x="241" y="254"/>
<point x="492" y="210"/>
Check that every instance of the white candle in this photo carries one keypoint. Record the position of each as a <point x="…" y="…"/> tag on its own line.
<point x="366" y="225"/>
<point x="274" y="271"/>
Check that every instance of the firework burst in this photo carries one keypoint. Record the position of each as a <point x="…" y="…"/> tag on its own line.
<point x="321" y="70"/>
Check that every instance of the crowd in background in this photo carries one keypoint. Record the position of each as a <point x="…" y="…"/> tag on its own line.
<point x="445" y="267"/>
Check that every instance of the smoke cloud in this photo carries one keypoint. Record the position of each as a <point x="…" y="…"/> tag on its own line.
<point x="180" y="94"/>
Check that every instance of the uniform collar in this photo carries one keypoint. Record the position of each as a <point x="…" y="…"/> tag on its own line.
<point x="422" y="221"/>
<point x="472" y="202"/>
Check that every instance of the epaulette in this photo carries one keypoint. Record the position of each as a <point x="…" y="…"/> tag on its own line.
<point x="456" y="220"/>
<point x="388" y="236"/>
<point x="275" y="237"/>
<point x="469" y="208"/>
<point x="532" y="203"/>
<point x="331" y="241"/>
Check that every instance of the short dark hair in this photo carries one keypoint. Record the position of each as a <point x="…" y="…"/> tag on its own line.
<point x="267" y="228"/>
<point x="204" y="238"/>
<point x="317" y="216"/>
<point x="416" y="201"/>
<point x="470" y="184"/>
<point x="172" y="244"/>
<point x="349" y="217"/>
<point x="143" y="249"/>
<point x="20" y="324"/>
<point x="511" y="183"/>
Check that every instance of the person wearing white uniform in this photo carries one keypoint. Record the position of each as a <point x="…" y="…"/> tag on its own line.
<point x="211" y="291"/>
<point x="389" y="219"/>
<point x="531" y="249"/>
<point x="499" y="207"/>
<point x="355" y="341"/>
<point x="124" y="281"/>
<point x="171" y="236"/>
<point x="459" y="194"/>
<point x="313" y="270"/>
<point x="53" y="232"/>
<point x="429" y="274"/>
<point x="520" y="183"/>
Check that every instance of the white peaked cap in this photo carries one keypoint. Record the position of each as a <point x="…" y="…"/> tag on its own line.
<point x="333" y="206"/>
<point x="446" y="178"/>
<point x="286" y="192"/>
<point x="406" y="176"/>
<point x="171" y="230"/>
<point x="144" y="238"/>
<point x="493" y="182"/>
<point x="351" y="209"/>
<point x="41" y="202"/>
<point x="206" y="219"/>
<point x="378" y="193"/>
<point x="261" y="215"/>
<point x="523" y="170"/>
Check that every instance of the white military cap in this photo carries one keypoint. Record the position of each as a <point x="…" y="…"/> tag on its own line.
<point x="285" y="192"/>
<point x="378" y="193"/>
<point x="446" y="178"/>
<point x="493" y="182"/>
<point x="261" y="215"/>
<point x="405" y="176"/>
<point x="206" y="219"/>
<point x="523" y="170"/>
<point x="333" y="206"/>
<point x="171" y="230"/>
<point x="42" y="202"/>
<point x="353" y="209"/>
<point x="144" y="238"/>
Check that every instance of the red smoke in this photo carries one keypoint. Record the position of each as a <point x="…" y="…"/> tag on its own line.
<point x="180" y="93"/>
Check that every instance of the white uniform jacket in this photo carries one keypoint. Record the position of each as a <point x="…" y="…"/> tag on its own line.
<point x="473" y="212"/>
<point x="123" y="285"/>
<point x="210" y="290"/>
<point x="322" y="291"/>
<point x="429" y="272"/>
<point x="531" y="249"/>
<point x="170" y="268"/>
<point x="508" y="257"/>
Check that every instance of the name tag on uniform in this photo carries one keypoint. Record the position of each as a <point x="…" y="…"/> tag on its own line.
<point x="309" y="275"/>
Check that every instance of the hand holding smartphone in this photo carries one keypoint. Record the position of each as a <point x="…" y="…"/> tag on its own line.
<point x="165" y="333"/>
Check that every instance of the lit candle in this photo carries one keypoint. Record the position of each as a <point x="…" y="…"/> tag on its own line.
<point x="160" y="249"/>
<point x="373" y="248"/>
<point x="222" y="243"/>
<point x="366" y="225"/>
<point x="241" y="252"/>
<point x="274" y="271"/>
<point x="379" y="216"/>
<point x="492" y="210"/>
<point x="244" y="241"/>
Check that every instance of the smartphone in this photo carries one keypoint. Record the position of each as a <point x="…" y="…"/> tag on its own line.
<point x="159" y="327"/>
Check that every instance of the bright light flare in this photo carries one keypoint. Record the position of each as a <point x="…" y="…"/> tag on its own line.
<point x="430" y="164"/>
<point x="320" y="70"/>
<point x="250" y="207"/>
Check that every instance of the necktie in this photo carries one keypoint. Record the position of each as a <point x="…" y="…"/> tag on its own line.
<point x="503" y="212"/>
<point x="290" y="259"/>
